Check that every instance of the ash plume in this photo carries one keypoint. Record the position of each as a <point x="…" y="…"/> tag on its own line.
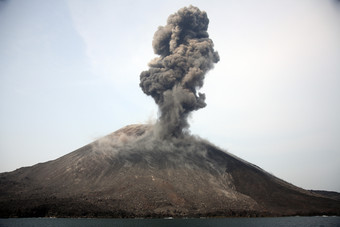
<point x="186" y="55"/>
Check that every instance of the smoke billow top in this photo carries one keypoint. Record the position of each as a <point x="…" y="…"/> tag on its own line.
<point x="186" y="54"/>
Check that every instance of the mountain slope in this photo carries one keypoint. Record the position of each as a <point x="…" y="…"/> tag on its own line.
<point x="130" y="174"/>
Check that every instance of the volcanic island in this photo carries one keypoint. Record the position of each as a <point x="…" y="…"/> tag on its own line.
<point x="160" y="170"/>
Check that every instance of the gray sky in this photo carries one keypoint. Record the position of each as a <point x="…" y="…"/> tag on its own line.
<point x="69" y="74"/>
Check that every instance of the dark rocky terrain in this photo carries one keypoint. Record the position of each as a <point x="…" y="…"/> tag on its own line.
<point x="329" y="194"/>
<point x="127" y="174"/>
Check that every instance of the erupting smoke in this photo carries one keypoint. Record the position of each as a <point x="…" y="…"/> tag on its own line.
<point x="186" y="54"/>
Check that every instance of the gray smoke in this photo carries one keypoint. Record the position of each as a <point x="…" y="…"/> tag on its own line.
<point x="186" y="54"/>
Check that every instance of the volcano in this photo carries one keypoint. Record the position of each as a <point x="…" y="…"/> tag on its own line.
<point x="127" y="174"/>
<point x="160" y="170"/>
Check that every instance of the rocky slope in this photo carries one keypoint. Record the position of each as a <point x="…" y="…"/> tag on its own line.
<point x="130" y="174"/>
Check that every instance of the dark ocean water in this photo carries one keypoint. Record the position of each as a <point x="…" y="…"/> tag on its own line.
<point x="277" y="222"/>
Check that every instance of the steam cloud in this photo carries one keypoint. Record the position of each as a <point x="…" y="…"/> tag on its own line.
<point x="186" y="54"/>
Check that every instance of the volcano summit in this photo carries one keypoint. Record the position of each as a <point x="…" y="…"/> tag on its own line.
<point x="159" y="170"/>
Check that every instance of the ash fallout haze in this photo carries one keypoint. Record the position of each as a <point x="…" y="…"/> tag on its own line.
<point x="70" y="73"/>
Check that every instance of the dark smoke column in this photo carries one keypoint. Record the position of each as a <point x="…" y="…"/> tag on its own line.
<point x="186" y="54"/>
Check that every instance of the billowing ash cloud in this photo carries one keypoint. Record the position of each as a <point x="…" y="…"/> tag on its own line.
<point x="186" y="54"/>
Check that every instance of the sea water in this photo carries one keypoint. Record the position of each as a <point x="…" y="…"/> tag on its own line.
<point x="214" y="222"/>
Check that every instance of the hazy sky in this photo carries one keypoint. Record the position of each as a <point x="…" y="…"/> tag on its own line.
<point x="69" y="74"/>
